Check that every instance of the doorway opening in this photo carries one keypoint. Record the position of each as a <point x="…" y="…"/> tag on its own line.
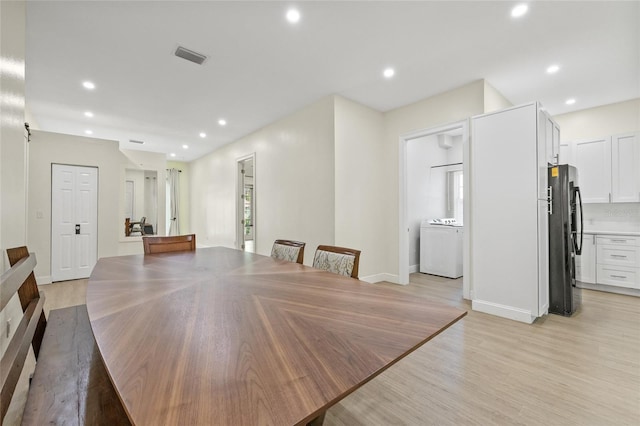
<point x="434" y="184"/>
<point x="246" y="204"/>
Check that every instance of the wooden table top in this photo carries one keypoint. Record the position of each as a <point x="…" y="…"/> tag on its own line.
<point x="221" y="336"/>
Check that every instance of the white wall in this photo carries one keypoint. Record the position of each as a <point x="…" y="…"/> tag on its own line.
<point x="13" y="162"/>
<point x="600" y="121"/>
<point x="454" y="105"/>
<point x="359" y="162"/>
<point x="294" y="183"/>
<point x="494" y="100"/>
<point x="13" y="149"/>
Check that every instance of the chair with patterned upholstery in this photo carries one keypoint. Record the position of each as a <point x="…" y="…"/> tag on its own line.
<point x="289" y="250"/>
<point x="339" y="260"/>
<point x="169" y="244"/>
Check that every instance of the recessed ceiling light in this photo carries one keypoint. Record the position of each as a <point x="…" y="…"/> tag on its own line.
<point x="222" y="122"/>
<point x="88" y="85"/>
<point x="185" y="146"/>
<point x="88" y="132"/>
<point x="203" y="135"/>
<point x="173" y="154"/>
<point x="570" y="101"/>
<point x="293" y="16"/>
<point x="552" y="69"/>
<point x="519" y="10"/>
<point x="88" y="114"/>
<point x="389" y="72"/>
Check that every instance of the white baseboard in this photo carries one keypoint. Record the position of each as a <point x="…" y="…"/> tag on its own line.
<point x="413" y="269"/>
<point x="609" y="288"/>
<point x="502" y="311"/>
<point x="394" y="279"/>
<point x="46" y="279"/>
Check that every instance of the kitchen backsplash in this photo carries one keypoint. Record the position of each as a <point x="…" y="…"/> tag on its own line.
<point x="612" y="217"/>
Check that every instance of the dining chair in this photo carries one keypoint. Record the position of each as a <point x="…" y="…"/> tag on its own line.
<point x="138" y="226"/>
<point x="169" y="244"/>
<point x="289" y="250"/>
<point x="339" y="260"/>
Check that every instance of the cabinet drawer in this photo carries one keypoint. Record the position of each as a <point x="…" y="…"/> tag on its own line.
<point x="619" y="240"/>
<point x="619" y="276"/>
<point x="618" y="255"/>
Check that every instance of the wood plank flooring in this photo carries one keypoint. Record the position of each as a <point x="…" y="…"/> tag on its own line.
<point x="485" y="370"/>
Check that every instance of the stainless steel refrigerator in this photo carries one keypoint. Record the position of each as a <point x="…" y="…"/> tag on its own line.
<point x="565" y="239"/>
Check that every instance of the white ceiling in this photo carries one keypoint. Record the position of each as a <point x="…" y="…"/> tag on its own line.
<point x="261" y="68"/>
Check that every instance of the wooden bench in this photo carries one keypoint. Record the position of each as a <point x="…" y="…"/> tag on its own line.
<point x="70" y="384"/>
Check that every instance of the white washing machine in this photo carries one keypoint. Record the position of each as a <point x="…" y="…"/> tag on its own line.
<point x="441" y="248"/>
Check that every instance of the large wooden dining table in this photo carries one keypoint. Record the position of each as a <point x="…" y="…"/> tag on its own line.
<point x="219" y="336"/>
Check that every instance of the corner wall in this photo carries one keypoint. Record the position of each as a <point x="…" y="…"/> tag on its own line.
<point x="359" y="160"/>
<point x="294" y="183"/>
<point x="47" y="148"/>
<point x="494" y="100"/>
<point x="600" y="121"/>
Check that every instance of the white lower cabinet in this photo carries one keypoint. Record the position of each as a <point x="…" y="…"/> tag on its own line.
<point x="619" y="276"/>
<point x="586" y="262"/>
<point x="610" y="260"/>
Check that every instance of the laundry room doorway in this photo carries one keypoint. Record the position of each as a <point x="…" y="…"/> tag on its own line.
<point x="434" y="184"/>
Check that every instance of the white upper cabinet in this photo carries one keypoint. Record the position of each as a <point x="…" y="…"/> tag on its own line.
<point x="625" y="168"/>
<point x="608" y="168"/>
<point x="593" y="161"/>
<point x="552" y="140"/>
<point x="567" y="155"/>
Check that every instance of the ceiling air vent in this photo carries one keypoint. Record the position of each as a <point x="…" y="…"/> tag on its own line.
<point x="135" y="141"/>
<point x="190" y="55"/>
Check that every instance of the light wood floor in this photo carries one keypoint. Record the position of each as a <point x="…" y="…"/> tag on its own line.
<point x="485" y="370"/>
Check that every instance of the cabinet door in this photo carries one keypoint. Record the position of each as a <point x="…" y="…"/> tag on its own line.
<point x="548" y="136"/>
<point x="586" y="262"/>
<point x="566" y="154"/>
<point x="552" y="140"/>
<point x="593" y="160"/>
<point x="544" y="150"/>
<point x="625" y="168"/>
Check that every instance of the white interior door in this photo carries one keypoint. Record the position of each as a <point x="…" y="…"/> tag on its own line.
<point x="74" y="221"/>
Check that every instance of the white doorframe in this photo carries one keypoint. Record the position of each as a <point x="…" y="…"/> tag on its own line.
<point x="240" y="202"/>
<point x="403" y="232"/>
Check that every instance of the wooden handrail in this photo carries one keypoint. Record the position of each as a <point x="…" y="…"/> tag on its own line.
<point x="13" y="278"/>
<point x="20" y="279"/>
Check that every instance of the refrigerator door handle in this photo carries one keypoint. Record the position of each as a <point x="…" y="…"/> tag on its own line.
<point x="579" y="197"/>
<point x="550" y="200"/>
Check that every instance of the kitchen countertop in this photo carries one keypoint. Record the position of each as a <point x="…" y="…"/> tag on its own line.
<point x="609" y="232"/>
